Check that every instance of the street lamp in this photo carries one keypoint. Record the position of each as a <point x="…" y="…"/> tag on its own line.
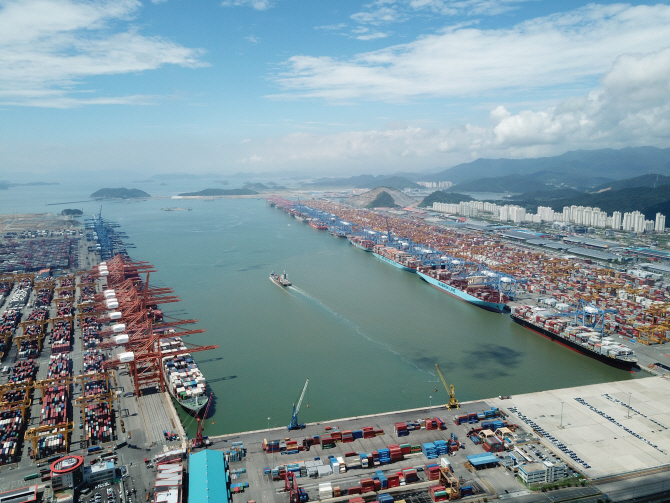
<point x="431" y="405"/>
<point x="629" y="404"/>
<point x="562" y="402"/>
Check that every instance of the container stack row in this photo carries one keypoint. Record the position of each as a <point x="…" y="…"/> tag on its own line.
<point x="61" y="337"/>
<point x="99" y="423"/>
<point x="23" y="371"/>
<point x="54" y="406"/>
<point x="60" y="365"/>
<point x="11" y="431"/>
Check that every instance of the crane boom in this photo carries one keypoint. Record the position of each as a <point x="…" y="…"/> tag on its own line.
<point x="302" y="395"/>
<point x="453" y="402"/>
<point x="295" y="425"/>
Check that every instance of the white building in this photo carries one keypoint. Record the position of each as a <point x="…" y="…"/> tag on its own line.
<point x="660" y="223"/>
<point x="542" y="473"/>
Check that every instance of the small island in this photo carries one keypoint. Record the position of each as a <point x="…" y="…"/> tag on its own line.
<point x="219" y="192"/>
<point x="122" y="193"/>
<point x="69" y="212"/>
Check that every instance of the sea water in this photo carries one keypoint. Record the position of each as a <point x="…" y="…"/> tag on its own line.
<point x="367" y="335"/>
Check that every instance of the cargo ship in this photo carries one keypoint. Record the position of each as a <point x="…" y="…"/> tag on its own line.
<point x="280" y="279"/>
<point x="183" y="378"/>
<point x="470" y="289"/>
<point x="318" y="224"/>
<point x="362" y="243"/>
<point x="584" y="340"/>
<point x="397" y="258"/>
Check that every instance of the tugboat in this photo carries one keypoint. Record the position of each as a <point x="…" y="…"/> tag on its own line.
<point x="280" y="279"/>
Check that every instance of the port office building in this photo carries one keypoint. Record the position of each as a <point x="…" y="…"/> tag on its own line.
<point x="209" y="480"/>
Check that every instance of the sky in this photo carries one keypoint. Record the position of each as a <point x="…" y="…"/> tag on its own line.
<point x="327" y="87"/>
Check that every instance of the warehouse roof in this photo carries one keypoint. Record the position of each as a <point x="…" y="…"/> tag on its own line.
<point x="22" y="495"/>
<point x="595" y="243"/>
<point x="207" y="477"/>
<point x="663" y="269"/>
<point x="596" y="254"/>
<point x="482" y="459"/>
<point x="652" y="253"/>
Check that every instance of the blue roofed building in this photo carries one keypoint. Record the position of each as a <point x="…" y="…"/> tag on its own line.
<point x="481" y="461"/>
<point x="209" y="478"/>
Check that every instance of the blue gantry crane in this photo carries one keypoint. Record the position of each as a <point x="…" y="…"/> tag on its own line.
<point x="295" y="425"/>
<point x="588" y="315"/>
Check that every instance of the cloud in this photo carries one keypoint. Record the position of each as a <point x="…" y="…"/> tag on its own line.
<point x="630" y="107"/>
<point x="393" y="11"/>
<point x="331" y="27"/>
<point x="467" y="7"/>
<point x="380" y="15"/>
<point x="255" y="4"/>
<point x="567" y="48"/>
<point x="48" y="48"/>
<point x="372" y="36"/>
<point x="253" y="39"/>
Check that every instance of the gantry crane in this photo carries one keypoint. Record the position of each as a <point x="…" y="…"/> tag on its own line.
<point x="198" y="441"/>
<point x="295" y="425"/>
<point x="453" y="402"/>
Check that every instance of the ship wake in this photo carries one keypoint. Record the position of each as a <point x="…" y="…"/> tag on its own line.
<point x="352" y="326"/>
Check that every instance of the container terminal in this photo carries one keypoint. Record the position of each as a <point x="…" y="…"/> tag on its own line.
<point x="618" y="317"/>
<point x="88" y="413"/>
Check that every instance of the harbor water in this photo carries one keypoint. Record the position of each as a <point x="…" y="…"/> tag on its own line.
<point x="367" y="335"/>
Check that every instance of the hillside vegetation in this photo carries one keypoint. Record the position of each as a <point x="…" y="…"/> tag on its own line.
<point x="439" y="196"/>
<point x="383" y="200"/>
<point x="121" y="193"/>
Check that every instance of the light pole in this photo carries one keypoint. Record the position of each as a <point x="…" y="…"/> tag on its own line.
<point x="562" y="402"/>
<point x="629" y="404"/>
<point x="430" y="409"/>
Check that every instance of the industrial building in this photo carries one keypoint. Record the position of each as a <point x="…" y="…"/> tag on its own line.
<point x="209" y="477"/>
<point x="545" y="472"/>
<point x="22" y="495"/>
<point x="67" y="473"/>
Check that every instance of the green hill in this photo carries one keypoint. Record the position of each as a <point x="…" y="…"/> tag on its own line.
<point x="440" y="196"/>
<point x="69" y="212"/>
<point x="383" y="200"/>
<point x="648" y="200"/>
<point x="121" y="193"/>
<point x="651" y="180"/>
<point x="608" y="163"/>
<point x="220" y="192"/>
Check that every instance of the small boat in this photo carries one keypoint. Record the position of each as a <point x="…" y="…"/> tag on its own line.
<point x="280" y="279"/>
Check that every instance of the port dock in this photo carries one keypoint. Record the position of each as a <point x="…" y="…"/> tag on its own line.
<point x="620" y="461"/>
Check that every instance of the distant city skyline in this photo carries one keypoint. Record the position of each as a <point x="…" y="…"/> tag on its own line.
<point x="335" y="87"/>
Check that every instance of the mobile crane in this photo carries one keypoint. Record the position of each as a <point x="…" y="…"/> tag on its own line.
<point x="453" y="402"/>
<point x="295" y="425"/>
<point x="198" y="441"/>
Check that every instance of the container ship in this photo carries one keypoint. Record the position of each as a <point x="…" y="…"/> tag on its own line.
<point x="183" y="378"/>
<point x="280" y="279"/>
<point x="582" y="339"/>
<point x="362" y="243"/>
<point x="318" y="224"/>
<point x="471" y="289"/>
<point x="397" y="258"/>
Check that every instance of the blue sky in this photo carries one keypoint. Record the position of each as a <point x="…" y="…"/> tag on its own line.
<point x="325" y="87"/>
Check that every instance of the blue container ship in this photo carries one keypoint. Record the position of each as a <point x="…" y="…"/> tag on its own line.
<point x="468" y="289"/>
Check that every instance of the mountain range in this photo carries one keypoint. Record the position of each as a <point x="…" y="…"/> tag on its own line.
<point x="580" y="169"/>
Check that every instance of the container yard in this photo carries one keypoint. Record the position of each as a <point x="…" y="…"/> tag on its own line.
<point x="589" y="437"/>
<point x="66" y="337"/>
<point x="626" y="309"/>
